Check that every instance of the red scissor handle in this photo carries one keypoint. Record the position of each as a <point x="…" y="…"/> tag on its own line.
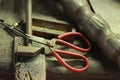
<point x="61" y="61"/>
<point x="59" y="40"/>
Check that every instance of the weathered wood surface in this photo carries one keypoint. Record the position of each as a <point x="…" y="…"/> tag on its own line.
<point x="6" y="41"/>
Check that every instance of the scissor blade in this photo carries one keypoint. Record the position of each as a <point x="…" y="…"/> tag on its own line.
<point x="38" y="39"/>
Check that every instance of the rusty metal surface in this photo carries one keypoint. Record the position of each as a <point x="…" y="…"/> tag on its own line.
<point x="6" y="41"/>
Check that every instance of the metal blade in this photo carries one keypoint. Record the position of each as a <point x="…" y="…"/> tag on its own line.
<point x="39" y="40"/>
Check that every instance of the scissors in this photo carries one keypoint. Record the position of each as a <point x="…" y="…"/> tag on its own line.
<point x="55" y="52"/>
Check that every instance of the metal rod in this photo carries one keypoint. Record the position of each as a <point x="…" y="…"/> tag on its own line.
<point x="29" y="19"/>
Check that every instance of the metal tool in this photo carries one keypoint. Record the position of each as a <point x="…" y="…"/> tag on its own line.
<point x="33" y="66"/>
<point x="32" y="51"/>
<point x="28" y="10"/>
<point x="28" y="50"/>
<point x="25" y="51"/>
<point x="52" y="43"/>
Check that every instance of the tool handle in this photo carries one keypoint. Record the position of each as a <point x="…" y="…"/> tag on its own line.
<point x="56" y="53"/>
<point x="28" y="6"/>
<point x="69" y="34"/>
<point x="94" y="26"/>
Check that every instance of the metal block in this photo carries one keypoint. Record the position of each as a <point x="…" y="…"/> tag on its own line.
<point x="28" y="50"/>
